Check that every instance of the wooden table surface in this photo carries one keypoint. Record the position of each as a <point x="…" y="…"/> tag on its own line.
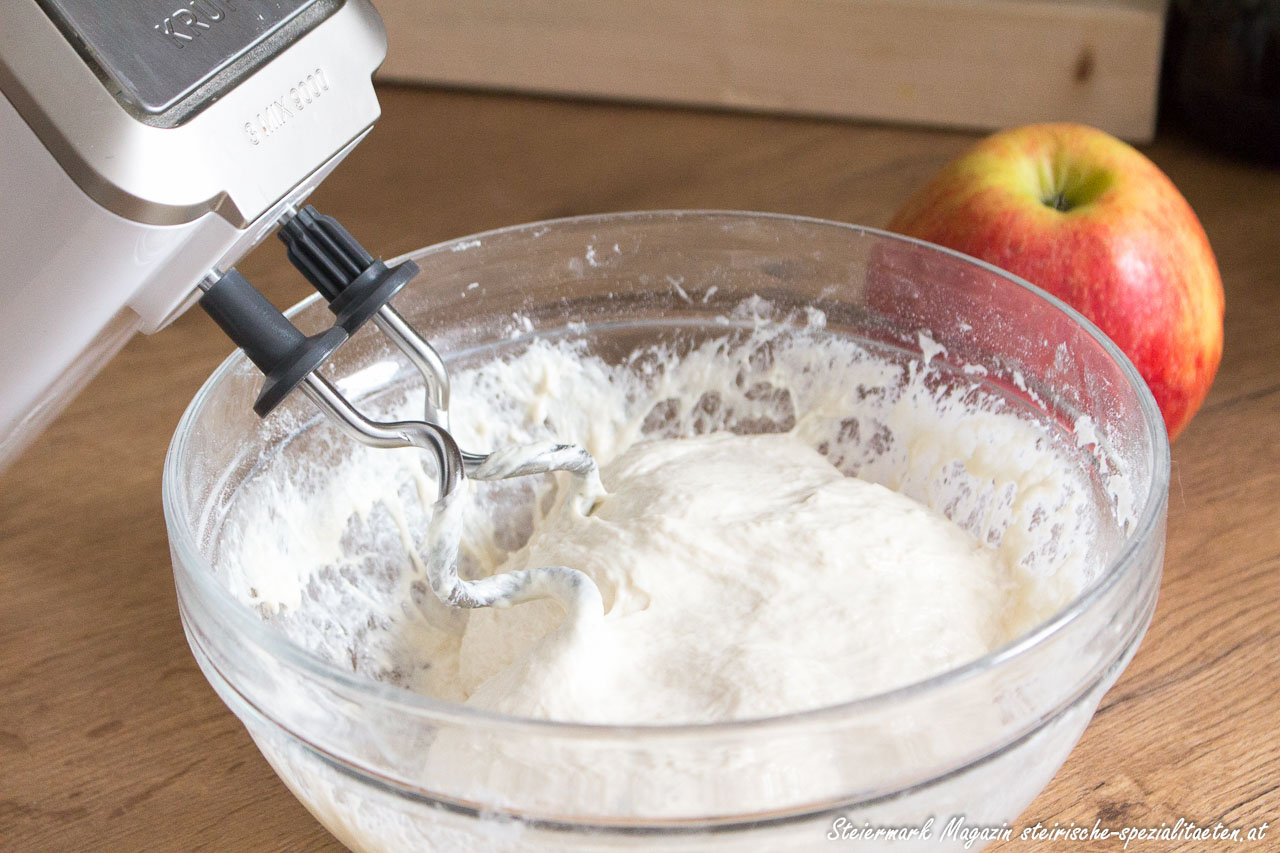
<point x="110" y="738"/>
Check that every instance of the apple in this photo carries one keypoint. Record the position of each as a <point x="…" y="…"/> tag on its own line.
<point x="1091" y="220"/>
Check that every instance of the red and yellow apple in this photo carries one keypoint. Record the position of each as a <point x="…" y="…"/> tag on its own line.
<point x="1094" y="222"/>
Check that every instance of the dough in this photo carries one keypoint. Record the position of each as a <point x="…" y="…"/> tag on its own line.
<point x="742" y="576"/>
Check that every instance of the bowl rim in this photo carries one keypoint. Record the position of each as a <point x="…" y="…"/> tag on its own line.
<point x="248" y="626"/>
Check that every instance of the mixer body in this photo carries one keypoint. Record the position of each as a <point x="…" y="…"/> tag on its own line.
<point x="146" y="145"/>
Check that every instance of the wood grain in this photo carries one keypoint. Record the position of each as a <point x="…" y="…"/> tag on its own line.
<point x="110" y="739"/>
<point x="959" y="63"/>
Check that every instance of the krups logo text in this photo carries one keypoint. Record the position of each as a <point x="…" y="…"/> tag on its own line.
<point x="189" y="22"/>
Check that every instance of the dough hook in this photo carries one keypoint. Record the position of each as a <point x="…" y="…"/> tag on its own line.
<point x="358" y="289"/>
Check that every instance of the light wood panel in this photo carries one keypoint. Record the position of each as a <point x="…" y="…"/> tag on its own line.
<point x="959" y="63"/>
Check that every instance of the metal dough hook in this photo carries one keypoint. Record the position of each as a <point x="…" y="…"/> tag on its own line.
<point x="357" y="288"/>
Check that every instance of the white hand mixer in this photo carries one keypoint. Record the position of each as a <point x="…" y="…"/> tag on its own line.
<point x="147" y="148"/>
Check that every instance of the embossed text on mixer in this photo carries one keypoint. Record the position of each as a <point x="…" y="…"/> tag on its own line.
<point x="275" y="114"/>
<point x="189" y="22"/>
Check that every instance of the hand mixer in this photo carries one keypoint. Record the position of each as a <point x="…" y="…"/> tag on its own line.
<point x="147" y="147"/>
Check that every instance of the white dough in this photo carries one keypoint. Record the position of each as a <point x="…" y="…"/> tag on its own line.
<point x="886" y="526"/>
<point x="742" y="576"/>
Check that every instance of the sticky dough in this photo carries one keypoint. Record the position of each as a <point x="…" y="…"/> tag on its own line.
<point x="742" y="576"/>
<point x="802" y="562"/>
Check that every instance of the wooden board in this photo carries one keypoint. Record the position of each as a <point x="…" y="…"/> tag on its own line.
<point x="959" y="63"/>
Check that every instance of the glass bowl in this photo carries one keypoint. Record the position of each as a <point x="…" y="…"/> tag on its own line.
<point x="384" y="768"/>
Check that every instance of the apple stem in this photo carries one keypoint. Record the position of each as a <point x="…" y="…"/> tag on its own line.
<point x="1059" y="202"/>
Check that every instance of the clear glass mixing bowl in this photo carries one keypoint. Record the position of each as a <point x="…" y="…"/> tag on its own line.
<point x="979" y="741"/>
